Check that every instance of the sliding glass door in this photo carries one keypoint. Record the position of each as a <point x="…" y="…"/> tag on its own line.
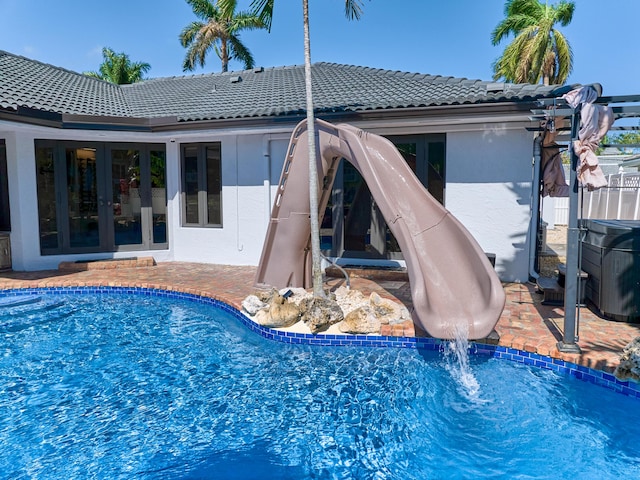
<point x="100" y="197"/>
<point x="353" y="225"/>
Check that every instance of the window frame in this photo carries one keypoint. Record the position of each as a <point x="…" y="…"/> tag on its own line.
<point x="202" y="185"/>
<point x="5" y="211"/>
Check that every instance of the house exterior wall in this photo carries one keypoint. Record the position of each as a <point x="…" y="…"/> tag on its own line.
<point x="488" y="188"/>
<point x="489" y="175"/>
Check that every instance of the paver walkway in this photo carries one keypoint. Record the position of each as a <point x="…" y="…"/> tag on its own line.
<point x="525" y="323"/>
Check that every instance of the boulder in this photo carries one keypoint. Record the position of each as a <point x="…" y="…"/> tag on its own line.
<point x="262" y="317"/>
<point x="252" y="304"/>
<point x="349" y="300"/>
<point x="283" y="313"/>
<point x="387" y="311"/>
<point x="361" y="320"/>
<point x="266" y="295"/>
<point x="629" y="367"/>
<point x="320" y="313"/>
<point x="298" y="295"/>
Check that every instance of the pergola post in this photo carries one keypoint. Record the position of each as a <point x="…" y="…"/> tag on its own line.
<point x="568" y="343"/>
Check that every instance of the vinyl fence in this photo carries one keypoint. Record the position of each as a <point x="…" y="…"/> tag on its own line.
<point x="620" y="200"/>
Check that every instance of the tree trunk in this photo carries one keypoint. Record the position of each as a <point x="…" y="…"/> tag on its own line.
<point x="224" y="56"/>
<point x="313" y="169"/>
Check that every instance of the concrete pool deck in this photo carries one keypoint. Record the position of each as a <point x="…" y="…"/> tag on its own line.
<point x="525" y="324"/>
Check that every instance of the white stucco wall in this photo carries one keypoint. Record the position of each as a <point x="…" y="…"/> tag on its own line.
<point x="488" y="188"/>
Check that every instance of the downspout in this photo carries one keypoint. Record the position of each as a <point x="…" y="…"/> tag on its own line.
<point x="535" y="208"/>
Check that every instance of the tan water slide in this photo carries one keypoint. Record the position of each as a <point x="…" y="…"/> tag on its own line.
<point x="453" y="285"/>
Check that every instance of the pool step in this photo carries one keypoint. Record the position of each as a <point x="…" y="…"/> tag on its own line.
<point x="6" y="302"/>
<point x="21" y="312"/>
<point x="106" y="264"/>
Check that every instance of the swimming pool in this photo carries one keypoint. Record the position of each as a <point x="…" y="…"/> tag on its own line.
<point x="141" y="386"/>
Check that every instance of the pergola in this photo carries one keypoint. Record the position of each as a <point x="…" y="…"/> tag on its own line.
<point x="623" y="107"/>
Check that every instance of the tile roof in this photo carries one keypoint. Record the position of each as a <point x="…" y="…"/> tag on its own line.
<point x="36" y="85"/>
<point x="244" y="94"/>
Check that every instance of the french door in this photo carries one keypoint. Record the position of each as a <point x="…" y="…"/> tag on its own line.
<point x="98" y="197"/>
<point x="353" y="225"/>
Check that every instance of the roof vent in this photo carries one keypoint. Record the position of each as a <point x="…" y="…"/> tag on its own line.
<point x="258" y="70"/>
<point x="235" y="79"/>
<point x="495" y="87"/>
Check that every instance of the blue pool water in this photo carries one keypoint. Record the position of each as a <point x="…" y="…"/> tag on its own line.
<point x="131" y="386"/>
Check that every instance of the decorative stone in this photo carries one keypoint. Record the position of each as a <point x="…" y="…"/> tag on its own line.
<point x="320" y="313"/>
<point x="629" y="367"/>
<point x="267" y="295"/>
<point x="252" y="304"/>
<point x="298" y="295"/>
<point x="283" y="313"/>
<point x="387" y="311"/>
<point x="349" y="300"/>
<point x="262" y="317"/>
<point x="360" y="320"/>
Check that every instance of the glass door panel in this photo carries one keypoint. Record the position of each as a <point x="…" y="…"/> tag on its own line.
<point x="362" y="219"/>
<point x="126" y="203"/>
<point x="409" y="153"/>
<point x="47" y="204"/>
<point x="158" y="196"/>
<point x="191" y="214"/>
<point x="365" y="233"/>
<point x="82" y="199"/>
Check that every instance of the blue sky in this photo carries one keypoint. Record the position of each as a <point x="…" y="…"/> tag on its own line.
<point x="440" y="37"/>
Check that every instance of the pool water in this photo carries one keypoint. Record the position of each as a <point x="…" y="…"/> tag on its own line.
<point x="131" y="386"/>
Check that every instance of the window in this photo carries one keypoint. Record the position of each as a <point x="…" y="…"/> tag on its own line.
<point x="201" y="185"/>
<point x="5" y="219"/>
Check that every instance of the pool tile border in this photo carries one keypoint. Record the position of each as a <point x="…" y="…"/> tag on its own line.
<point x="580" y="372"/>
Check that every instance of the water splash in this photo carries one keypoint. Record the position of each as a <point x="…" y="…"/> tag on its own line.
<point x="456" y="354"/>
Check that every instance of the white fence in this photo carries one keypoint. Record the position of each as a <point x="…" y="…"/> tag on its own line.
<point x="620" y="200"/>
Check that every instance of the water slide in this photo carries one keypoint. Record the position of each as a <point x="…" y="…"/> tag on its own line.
<point x="454" y="288"/>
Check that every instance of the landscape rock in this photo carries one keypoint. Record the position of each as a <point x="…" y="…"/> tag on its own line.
<point x="349" y="300"/>
<point x="320" y="313"/>
<point x="387" y="311"/>
<point x="361" y="320"/>
<point x="629" y="367"/>
<point x="298" y="295"/>
<point x="252" y="304"/>
<point x="283" y="313"/>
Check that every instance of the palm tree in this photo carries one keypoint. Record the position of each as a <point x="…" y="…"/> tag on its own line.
<point x="117" y="68"/>
<point x="219" y="31"/>
<point x="353" y="10"/>
<point x="539" y="51"/>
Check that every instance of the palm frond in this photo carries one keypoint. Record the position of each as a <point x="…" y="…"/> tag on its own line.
<point x="353" y="9"/>
<point x="263" y="9"/>
<point x="241" y="52"/>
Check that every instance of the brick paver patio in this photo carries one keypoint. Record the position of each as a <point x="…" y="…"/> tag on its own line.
<point x="525" y="323"/>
